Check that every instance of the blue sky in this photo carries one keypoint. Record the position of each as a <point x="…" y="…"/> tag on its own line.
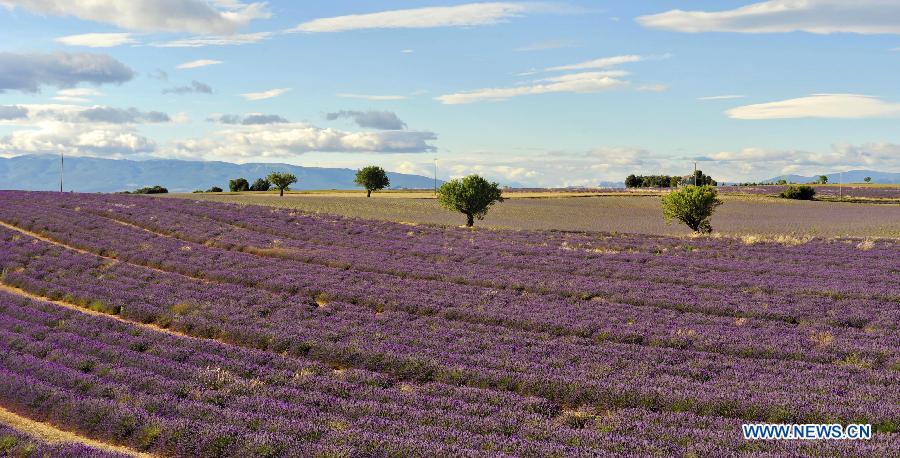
<point x="542" y="94"/>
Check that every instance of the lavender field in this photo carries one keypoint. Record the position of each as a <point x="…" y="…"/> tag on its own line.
<point x="195" y="328"/>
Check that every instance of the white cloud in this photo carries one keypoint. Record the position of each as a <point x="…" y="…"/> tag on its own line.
<point x="576" y="82"/>
<point x="271" y="93"/>
<point x="467" y="15"/>
<point x="215" y="40"/>
<point x="597" y="63"/>
<point x="97" y="40"/>
<point x="371" y="97"/>
<point x="779" y="16"/>
<point x="834" y="106"/>
<point x="198" y="64"/>
<point x="722" y="97"/>
<point x="35" y="114"/>
<point x="76" y="95"/>
<point x="75" y="139"/>
<point x="291" y="139"/>
<point x="193" y="16"/>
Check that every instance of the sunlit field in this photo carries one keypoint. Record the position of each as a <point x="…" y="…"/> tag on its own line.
<point x="604" y="211"/>
<point x="192" y="328"/>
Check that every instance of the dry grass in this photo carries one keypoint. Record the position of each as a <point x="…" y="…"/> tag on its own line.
<point x="759" y="218"/>
<point x="49" y="433"/>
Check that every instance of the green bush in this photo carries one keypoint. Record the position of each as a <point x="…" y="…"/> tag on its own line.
<point x="692" y="205"/>
<point x="151" y="190"/>
<point x="261" y="184"/>
<point x="238" y="185"/>
<point x="802" y="192"/>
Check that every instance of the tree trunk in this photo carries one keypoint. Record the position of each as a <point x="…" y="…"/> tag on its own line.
<point x="281" y="192"/>
<point x="368" y="193"/>
<point x="470" y="220"/>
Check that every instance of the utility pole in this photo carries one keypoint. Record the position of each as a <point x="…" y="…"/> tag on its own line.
<point x="61" y="170"/>
<point x="435" y="176"/>
<point x="695" y="174"/>
<point x="841" y="186"/>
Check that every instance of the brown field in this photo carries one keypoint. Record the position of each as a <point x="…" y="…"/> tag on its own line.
<point x="740" y="215"/>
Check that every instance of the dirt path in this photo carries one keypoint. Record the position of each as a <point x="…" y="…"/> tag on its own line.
<point x="51" y="434"/>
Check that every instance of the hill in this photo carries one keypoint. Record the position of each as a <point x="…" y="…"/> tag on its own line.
<point x="88" y="174"/>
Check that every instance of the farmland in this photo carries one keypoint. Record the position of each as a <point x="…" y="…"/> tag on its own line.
<point x="605" y="211"/>
<point x="191" y="328"/>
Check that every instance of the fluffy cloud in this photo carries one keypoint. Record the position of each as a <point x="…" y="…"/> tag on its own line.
<point x="576" y="82"/>
<point x="193" y="16"/>
<point x="371" y="97"/>
<point x="835" y="106"/>
<point x="775" y="16"/>
<point x="283" y="141"/>
<point x="73" y="139"/>
<point x="467" y="15"/>
<point x="251" y="119"/>
<point x="384" y="120"/>
<point x="29" y="72"/>
<point x="271" y="93"/>
<point x="76" y="95"/>
<point x="760" y="163"/>
<point x="194" y="87"/>
<point x="97" y="40"/>
<point x="198" y="64"/>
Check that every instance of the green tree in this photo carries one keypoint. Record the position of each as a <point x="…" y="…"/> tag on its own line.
<point x="631" y="181"/>
<point x="781" y="182"/>
<point x="867" y="179"/>
<point x="238" y="185"/>
<point x="802" y="192"/>
<point x="261" y="184"/>
<point x="471" y="196"/>
<point x="693" y="206"/>
<point x="281" y="181"/>
<point x="373" y="178"/>
<point x="822" y="179"/>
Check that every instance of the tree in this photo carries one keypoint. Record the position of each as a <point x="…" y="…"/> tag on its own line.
<point x="214" y="189"/>
<point x="823" y="179"/>
<point x="471" y="196"/>
<point x="281" y="181"/>
<point x="151" y="190"/>
<point x="238" y="185"/>
<point x="632" y="181"/>
<point x="261" y="184"/>
<point x="781" y="182"/>
<point x="693" y="206"/>
<point x="867" y="179"/>
<point x="373" y="178"/>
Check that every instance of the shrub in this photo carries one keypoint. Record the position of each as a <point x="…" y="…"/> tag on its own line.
<point x="214" y="189"/>
<point x="238" y="185"/>
<point x="151" y="190"/>
<point x="693" y="206"/>
<point x="261" y="184"/>
<point x="471" y="196"/>
<point x="802" y="192"/>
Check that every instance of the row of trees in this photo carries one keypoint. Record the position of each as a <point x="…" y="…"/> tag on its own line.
<point x="698" y="178"/>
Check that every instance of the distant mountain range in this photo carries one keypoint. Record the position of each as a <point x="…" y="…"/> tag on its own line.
<point x="852" y="176"/>
<point x="88" y="174"/>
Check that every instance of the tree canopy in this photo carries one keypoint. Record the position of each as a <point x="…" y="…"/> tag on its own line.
<point x="692" y="205"/>
<point x="238" y="185"/>
<point x="471" y="196"/>
<point x="373" y="178"/>
<point x="282" y="181"/>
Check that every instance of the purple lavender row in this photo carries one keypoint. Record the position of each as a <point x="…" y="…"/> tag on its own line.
<point x="803" y="273"/>
<point x="578" y="282"/>
<point x="86" y="364"/>
<point x="55" y="272"/>
<point x="480" y="361"/>
<point x="862" y="191"/>
<point x="614" y="321"/>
